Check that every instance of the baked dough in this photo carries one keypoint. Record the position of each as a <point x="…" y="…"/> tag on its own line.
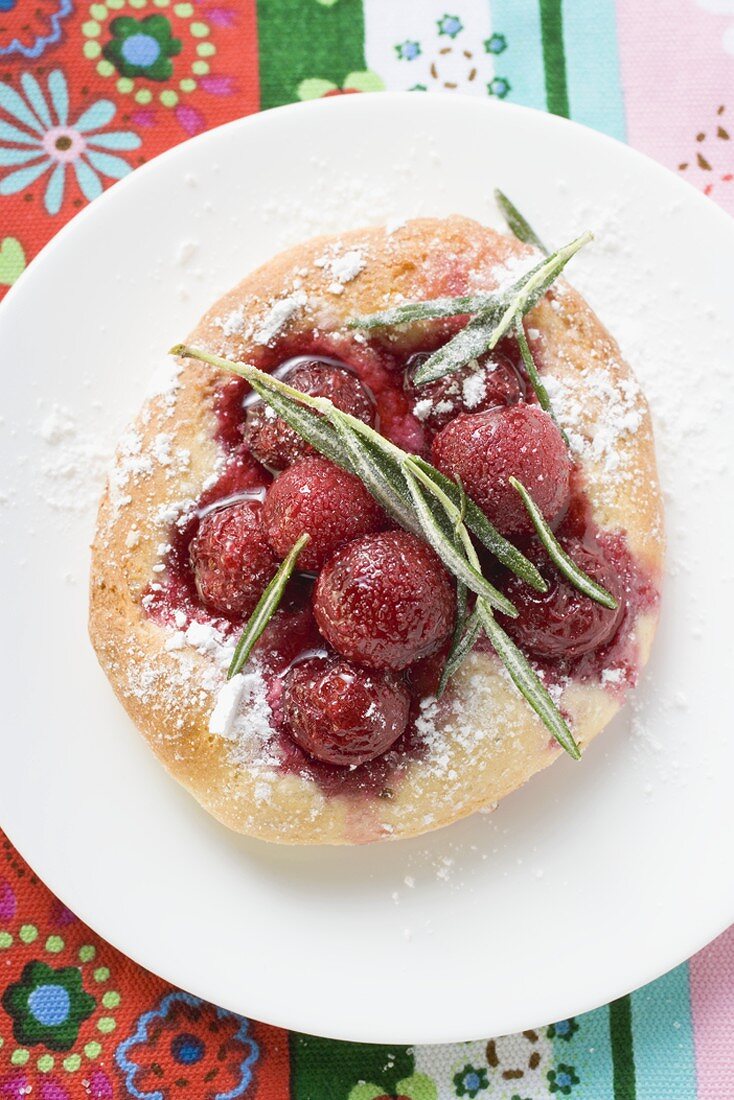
<point x="482" y="740"/>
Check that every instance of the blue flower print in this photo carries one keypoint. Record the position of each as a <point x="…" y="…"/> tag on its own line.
<point x="41" y="139"/>
<point x="408" y="51"/>
<point x="499" y="87"/>
<point x="450" y="25"/>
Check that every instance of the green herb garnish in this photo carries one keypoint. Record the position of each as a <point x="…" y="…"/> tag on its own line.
<point x="475" y="519"/>
<point x="517" y="224"/>
<point x="519" y="668"/>
<point x="398" y="481"/>
<point x="452" y="550"/>
<point x="466" y="632"/>
<point x="424" y="311"/>
<point x="485" y="331"/>
<point x="492" y="315"/>
<point x="563" y="562"/>
<point x="321" y="433"/>
<point x="266" y="607"/>
<point x="535" y="380"/>
<point x="527" y="682"/>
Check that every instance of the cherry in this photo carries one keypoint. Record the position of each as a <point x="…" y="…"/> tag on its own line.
<point x="231" y="559"/>
<point x="341" y="714"/>
<point x="275" y="443"/>
<point x="485" y="449"/>
<point x="384" y="600"/>
<point x="493" y="380"/>
<point x="317" y="498"/>
<point x="562" y="622"/>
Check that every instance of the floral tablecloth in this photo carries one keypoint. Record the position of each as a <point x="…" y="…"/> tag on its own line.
<point x="90" y="89"/>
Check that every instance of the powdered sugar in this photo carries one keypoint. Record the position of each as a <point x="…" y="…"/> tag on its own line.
<point x="227" y="702"/>
<point x="598" y="412"/>
<point x="473" y="389"/>
<point x="73" y="465"/>
<point x="278" y="316"/>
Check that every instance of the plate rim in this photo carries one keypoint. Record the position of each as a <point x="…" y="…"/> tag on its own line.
<point x="180" y="151"/>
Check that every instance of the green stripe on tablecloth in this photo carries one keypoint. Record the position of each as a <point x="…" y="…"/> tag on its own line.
<point x="554" y="57"/>
<point x="322" y="1069"/>
<point x="583" y="1047"/>
<point x="665" y="1057"/>
<point x="592" y="65"/>
<point x="302" y="39"/>
<point x="620" y="1032"/>
<point x="520" y="61"/>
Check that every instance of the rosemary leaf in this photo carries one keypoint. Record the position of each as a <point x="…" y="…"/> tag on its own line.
<point x="282" y="397"/>
<point x="535" y="380"/>
<point x="462" y="644"/>
<point x="310" y="426"/>
<point x="531" y="287"/>
<point x="517" y="224"/>
<point x="462" y="507"/>
<point x="475" y="519"/>
<point x="526" y="681"/>
<point x="445" y="545"/>
<point x="424" y="311"/>
<point x="486" y="329"/>
<point x="562" y="561"/>
<point x="378" y="472"/>
<point x="266" y="607"/>
<point x="471" y="342"/>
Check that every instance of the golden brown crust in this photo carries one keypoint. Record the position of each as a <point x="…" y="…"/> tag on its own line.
<point x="484" y="742"/>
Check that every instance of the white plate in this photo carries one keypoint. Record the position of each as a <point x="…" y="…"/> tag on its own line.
<point x="597" y="876"/>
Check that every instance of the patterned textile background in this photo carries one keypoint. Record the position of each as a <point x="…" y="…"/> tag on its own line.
<point x="90" y="90"/>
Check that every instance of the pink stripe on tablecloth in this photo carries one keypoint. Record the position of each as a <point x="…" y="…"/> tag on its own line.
<point x="712" y="1003"/>
<point x="678" y="82"/>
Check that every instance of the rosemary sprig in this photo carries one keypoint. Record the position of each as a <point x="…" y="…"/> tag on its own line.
<point x="326" y="440"/>
<point x="475" y="519"/>
<point x="517" y="224"/>
<point x="519" y="668"/>
<point x="377" y="470"/>
<point x="309" y="425"/>
<point x="535" y="380"/>
<point x="563" y="562"/>
<point x="490" y="305"/>
<point x="418" y="474"/>
<point x="466" y="632"/>
<point x="527" y="682"/>
<point x="266" y="607"/>
<point x="424" y="311"/>
<point x="448" y="548"/>
<point x="484" y="331"/>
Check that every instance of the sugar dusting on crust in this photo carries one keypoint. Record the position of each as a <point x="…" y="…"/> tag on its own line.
<point x="617" y="412"/>
<point x="262" y="321"/>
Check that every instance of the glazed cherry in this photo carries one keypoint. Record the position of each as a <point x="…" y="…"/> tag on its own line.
<point x="493" y="380"/>
<point x="231" y="559"/>
<point x="485" y="449"/>
<point x="277" y="445"/>
<point x="562" y="622"/>
<point x="342" y="714"/>
<point x="384" y="601"/>
<point x="317" y="498"/>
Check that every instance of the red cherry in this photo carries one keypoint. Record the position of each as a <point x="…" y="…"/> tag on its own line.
<point x="342" y="714"/>
<point x="494" y="380"/>
<point x="562" y="622"/>
<point x="385" y="600"/>
<point x="317" y="498"/>
<point x="485" y="449"/>
<point x="231" y="559"/>
<point x="275" y="443"/>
